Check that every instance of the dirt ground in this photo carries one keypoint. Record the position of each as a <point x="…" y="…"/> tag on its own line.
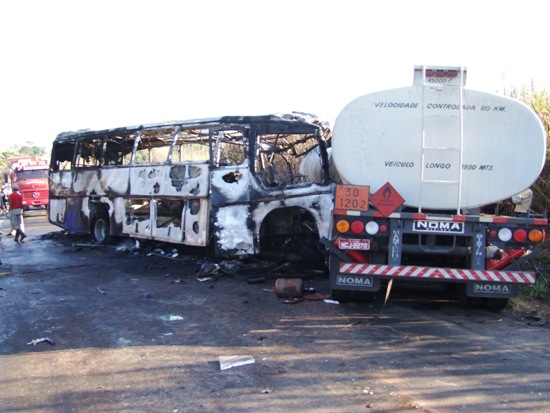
<point x="114" y="329"/>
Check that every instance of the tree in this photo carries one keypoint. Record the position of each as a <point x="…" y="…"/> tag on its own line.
<point x="17" y="152"/>
<point x="539" y="101"/>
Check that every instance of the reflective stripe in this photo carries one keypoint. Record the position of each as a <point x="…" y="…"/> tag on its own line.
<point x="515" y="277"/>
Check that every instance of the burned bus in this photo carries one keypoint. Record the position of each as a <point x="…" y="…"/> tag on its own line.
<point x="237" y="183"/>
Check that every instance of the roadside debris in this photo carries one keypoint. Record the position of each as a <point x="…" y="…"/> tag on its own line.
<point x="128" y="245"/>
<point x="87" y="245"/>
<point x="537" y="321"/>
<point x="207" y="271"/>
<point x="227" y="362"/>
<point x="331" y="301"/>
<point x="292" y="301"/>
<point x="41" y="340"/>
<point x="171" y="317"/>
<point x="256" y="280"/>
<point x="289" y="287"/>
<point x="316" y="297"/>
<point x="100" y="290"/>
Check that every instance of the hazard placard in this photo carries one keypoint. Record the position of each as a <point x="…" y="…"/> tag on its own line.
<point x="352" y="197"/>
<point x="386" y="199"/>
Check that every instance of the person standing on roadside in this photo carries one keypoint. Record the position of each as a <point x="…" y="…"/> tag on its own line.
<point x="16" y="217"/>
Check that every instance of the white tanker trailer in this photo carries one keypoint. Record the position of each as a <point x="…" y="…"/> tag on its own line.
<point x="417" y="168"/>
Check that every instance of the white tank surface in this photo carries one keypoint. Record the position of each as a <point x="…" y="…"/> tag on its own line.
<point x="310" y="167"/>
<point x="443" y="147"/>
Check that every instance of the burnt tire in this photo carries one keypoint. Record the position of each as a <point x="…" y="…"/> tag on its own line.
<point x="101" y="229"/>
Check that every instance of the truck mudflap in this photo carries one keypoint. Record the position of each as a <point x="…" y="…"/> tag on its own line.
<point x="492" y="290"/>
<point x="355" y="282"/>
<point x="438" y="274"/>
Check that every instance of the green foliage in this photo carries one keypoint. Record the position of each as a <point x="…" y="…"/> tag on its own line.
<point x="539" y="101"/>
<point x="541" y="290"/>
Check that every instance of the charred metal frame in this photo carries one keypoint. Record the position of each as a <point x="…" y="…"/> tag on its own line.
<point x="238" y="181"/>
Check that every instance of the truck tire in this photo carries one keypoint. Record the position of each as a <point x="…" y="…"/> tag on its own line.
<point x="101" y="229"/>
<point x="464" y="300"/>
<point x="348" y="296"/>
<point x="495" y="304"/>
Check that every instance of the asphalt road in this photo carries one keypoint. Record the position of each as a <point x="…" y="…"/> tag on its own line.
<point x="120" y="330"/>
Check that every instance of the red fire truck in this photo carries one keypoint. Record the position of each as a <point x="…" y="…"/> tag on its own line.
<point x="31" y="174"/>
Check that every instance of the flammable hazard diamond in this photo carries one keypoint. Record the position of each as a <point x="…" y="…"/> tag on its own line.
<point x="386" y="199"/>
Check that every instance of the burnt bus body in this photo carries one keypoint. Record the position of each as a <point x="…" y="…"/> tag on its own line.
<point x="234" y="181"/>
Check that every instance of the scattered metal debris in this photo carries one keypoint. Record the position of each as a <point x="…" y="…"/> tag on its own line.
<point x="316" y="297"/>
<point x="292" y="301"/>
<point x="87" y="245"/>
<point x="227" y="362"/>
<point x="289" y="287"/>
<point x="207" y="271"/>
<point x="256" y="280"/>
<point x="41" y="340"/>
<point x="537" y="321"/>
<point x="171" y="317"/>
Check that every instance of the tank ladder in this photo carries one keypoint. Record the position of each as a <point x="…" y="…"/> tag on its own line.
<point x="442" y="132"/>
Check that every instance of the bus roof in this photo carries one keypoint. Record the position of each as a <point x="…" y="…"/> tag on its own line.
<point x="296" y="122"/>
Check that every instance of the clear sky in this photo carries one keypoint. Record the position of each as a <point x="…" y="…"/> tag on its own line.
<point x="68" y="65"/>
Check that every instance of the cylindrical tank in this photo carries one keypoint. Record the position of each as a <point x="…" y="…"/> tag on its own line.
<point x="437" y="152"/>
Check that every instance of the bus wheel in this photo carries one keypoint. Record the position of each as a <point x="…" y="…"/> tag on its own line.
<point x="100" y="229"/>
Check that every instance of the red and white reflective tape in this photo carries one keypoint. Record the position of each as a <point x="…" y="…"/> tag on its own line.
<point x="515" y="277"/>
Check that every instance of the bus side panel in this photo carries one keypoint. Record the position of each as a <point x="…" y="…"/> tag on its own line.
<point x="166" y="216"/>
<point x="67" y="214"/>
<point x="86" y="182"/>
<point x="68" y="209"/>
<point x="180" y="180"/>
<point x="168" y="203"/>
<point x="196" y="222"/>
<point x="113" y="181"/>
<point x="233" y="227"/>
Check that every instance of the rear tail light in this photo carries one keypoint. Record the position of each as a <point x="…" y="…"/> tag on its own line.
<point x="357" y="227"/>
<point x="342" y="226"/>
<point x="504" y="234"/>
<point x="520" y="235"/>
<point x="372" y="228"/>
<point x="536" y="235"/>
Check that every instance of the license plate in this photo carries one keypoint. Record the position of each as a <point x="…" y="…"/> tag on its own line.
<point x="354" y="244"/>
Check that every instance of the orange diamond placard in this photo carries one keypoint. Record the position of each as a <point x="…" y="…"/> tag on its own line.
<point x="352" y="197"/>
<point x="386" y="199"/>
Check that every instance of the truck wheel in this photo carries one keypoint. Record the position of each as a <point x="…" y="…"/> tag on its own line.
<point x="346" y="296"/>
<point x="495" y="304"/>
<point x="100" y="229"/>
<point x="466" y="301"/>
